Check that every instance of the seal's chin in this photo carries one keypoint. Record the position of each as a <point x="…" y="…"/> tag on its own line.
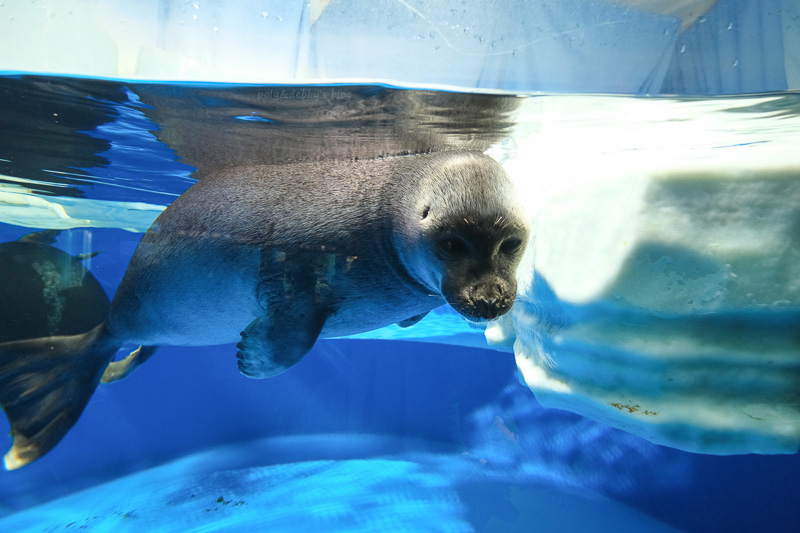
<point x="481" y="311"/>
<point x="479" y="323"/>
<point x="479" y="301"/>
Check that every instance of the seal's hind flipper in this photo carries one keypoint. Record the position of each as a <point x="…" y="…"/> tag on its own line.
<point x="408" y="322"/>
<point x="117" y="370"/>
<point x="45" y="385"/>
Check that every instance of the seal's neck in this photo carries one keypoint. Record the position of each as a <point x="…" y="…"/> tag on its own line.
<point x="399" y="231"/>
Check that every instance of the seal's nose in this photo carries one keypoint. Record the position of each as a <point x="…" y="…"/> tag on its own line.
<point x="487" y="308"/>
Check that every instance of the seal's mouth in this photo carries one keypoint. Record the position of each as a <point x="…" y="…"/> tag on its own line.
<point x="479" y="299"/>
<point x="481" y="310"/>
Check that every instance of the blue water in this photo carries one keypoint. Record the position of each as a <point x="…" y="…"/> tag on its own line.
<point x="362" y="435"/>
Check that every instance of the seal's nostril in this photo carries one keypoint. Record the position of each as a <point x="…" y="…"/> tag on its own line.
<point x="487" y="308"/>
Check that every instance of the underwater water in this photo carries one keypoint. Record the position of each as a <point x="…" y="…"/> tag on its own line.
<point x="418" y="429"/>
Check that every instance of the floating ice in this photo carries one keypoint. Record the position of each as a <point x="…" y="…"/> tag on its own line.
<point x="22" y="207"/>
<point x="666" y="254"/>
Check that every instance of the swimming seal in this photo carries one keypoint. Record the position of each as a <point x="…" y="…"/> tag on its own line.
<point x="290" y="253"/>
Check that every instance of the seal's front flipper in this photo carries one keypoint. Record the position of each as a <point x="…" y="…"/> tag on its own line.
<point x="276" y="341"/>
<point x="45" y="385"/>
<point x="117" y="370"/>
<point x="408" y="322"/>
<point x="294" y="292"/>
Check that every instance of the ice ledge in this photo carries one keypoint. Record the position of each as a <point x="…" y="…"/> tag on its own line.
<point x="666" y="302"/>
<point x="694" y="241"/>
<point x="687" y="385"/>
<point x="23" y="207"/>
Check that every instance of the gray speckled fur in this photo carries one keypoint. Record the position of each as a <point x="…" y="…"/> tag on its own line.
<point x="193" y="279"/>
<point x="289" y="253"/>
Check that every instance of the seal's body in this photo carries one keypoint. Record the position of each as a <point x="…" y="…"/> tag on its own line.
<point x="275" y="257"/>
<point x="204" y="264"/>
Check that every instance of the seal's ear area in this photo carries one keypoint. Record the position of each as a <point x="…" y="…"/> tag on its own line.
<point x="45" y="385"/>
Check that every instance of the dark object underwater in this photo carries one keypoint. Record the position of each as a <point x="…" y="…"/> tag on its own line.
<point x="52" y="292"/>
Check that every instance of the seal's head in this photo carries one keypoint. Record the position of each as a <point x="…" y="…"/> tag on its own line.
<point x="467" y="234"/>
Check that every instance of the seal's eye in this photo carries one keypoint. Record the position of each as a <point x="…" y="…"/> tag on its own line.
<point x="511" y="246"/>
<point x="452" y="247"/>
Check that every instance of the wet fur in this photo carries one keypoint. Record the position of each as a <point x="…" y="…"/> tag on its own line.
<point x="289" y="253"/>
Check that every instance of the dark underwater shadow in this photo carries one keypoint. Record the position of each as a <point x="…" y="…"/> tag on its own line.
<point x="52" y="292"/>
<point x="216" y="126"/>
<point x="55" y="130"/>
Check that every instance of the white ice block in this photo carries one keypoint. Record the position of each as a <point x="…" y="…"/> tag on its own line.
<point x="661" y="291"/>
<point x="22" y="207"/>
